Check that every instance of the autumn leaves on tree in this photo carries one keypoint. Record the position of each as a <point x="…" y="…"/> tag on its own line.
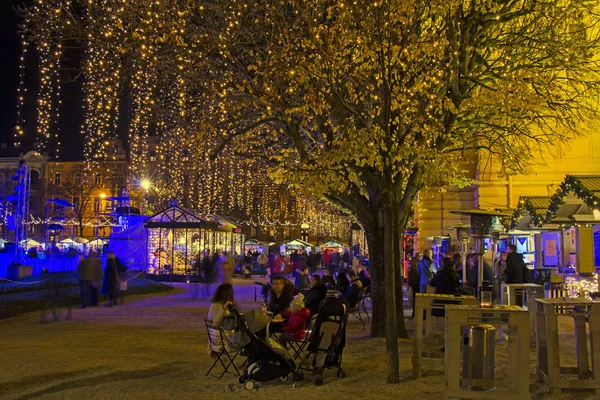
<point x="361" y="103"/>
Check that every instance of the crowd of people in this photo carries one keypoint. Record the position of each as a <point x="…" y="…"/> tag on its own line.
<point x="509" y="267"/>
<point x="93" y="280"/>
<point x="288" y="305"/>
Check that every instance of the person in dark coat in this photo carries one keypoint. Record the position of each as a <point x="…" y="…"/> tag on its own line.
<point x="302" y="280"/>
<point x="328" y="279"/>
<point x="208" y="273"/>
<point x="342" y="281"/>
<point x="86" y="277"/>
<point x="352" y="295"/>
<point x="445" y="281"/>
<point x="473" y="272"/>
<point x="363" y="275"/>
<point x="426" y="271"/>
<point x="334" y="262"/>
<point x="280" y="296"/>
<point x="111" y="283"/>
<point x="97" y="283"/>
<point x="316" y="294"/>
<point x="413" y="278"/>
<point x="515" y="266"/>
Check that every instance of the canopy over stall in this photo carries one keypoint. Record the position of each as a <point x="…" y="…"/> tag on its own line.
<point x="255" y="245"/>
<point x="332" y="244"/>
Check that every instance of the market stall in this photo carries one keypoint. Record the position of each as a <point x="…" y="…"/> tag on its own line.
<point x="255" y="245"/>
<point x="296" y="244"/>
<point x="568" y="237"/>
<point x="332" y="245"/>
<point x="178" y="236"/>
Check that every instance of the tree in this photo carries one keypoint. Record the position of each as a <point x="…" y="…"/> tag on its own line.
<point x="361" y="103"/>
<point x="82" y="193"/>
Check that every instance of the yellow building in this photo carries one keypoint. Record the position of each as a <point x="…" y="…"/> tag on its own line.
<point x="579" y="157"/>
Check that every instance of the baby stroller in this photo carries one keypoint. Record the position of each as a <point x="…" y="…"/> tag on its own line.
<point x="326" y="341"/>
<point x="266" y="361"/>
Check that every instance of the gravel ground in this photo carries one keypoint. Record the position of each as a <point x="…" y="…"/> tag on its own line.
<point x="155" y="348"/>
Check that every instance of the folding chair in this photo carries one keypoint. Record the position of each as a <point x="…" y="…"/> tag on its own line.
<point x="363" y="301"/>
<point x="298" y="346"/>
<point x="356" y="311"/>
<point x="215" y="336"/>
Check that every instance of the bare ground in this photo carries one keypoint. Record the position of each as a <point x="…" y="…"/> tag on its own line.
<point x="155" y="348"/>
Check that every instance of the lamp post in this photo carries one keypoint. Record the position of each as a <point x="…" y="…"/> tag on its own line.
<point x="99" y="199"/>
<point x="481" y="229"/>
<point x="146" y="185"/>
<point x="462" y="237"/>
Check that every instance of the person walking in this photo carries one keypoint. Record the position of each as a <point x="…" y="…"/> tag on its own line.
<point x="97" y="283"/>
<point x="426" y="271"/>
<point x="207" y="273"/>
<point x="110" y="285"/>
<point x="263" y="260"/>
<point x="515" y="266"/>
<point x="86" y="277"/>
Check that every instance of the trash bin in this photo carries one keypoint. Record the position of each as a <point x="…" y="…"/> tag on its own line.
<point x="478" y="360"/>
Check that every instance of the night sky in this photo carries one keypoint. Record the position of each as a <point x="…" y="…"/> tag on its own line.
<point x="9" y="68"/>
<point x="71" y="120"/>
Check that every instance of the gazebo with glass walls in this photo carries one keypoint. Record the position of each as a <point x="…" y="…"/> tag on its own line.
<point x="177" y="237"/>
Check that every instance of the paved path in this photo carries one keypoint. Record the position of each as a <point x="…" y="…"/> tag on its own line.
<point x="155" y="348"/>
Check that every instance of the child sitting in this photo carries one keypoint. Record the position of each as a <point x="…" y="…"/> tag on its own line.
<point x="296" y="316"/>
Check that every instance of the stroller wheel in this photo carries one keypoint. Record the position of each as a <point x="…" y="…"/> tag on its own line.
<point x="249" y="385"/>
<point x="341" y="373"/>
<point x="284" y="379"/>
<point x="318" y="380"/>
<point x="300" y="376"/>
<point x="242" y="379"/>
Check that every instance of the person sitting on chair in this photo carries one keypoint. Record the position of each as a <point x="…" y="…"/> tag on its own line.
<point x="297" y="316"/>
<point x="352" y="295"/>
<point x="316" y="294"/>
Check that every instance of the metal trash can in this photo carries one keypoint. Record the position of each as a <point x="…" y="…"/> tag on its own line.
<point x="478" y="360"/>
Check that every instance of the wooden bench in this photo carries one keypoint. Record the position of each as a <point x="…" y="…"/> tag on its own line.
<point x="516" y="384"/>
<point x="549" y="370"/>
<point x="424" y="303"/>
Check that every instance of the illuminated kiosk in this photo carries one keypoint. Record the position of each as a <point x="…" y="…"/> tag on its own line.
<point x="178" y="236"/>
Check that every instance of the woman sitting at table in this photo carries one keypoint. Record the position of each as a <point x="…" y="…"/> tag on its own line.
<point x="280" y="297"/>
<point x="220" y="303"/>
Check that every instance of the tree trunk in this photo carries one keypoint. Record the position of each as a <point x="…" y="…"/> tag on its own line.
<point x="375" y="239"/>
<point x="399" y="279"/>
<point x="391" y="335"/>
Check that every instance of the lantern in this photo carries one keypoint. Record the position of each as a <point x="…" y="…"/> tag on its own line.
<point x="486" y="296"/>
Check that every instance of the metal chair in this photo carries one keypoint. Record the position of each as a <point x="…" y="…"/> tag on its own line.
<point x="215" y="335"/>
<point x="298" y="346"/>
<point x="356" y="311"/>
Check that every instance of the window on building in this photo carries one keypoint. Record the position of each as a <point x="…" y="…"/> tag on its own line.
<point x="98" y="179"/>
<point x="152" y="155"/>
<point x="185" y="155"/>
<point x="118" y="179"/>
<point x="186" y="179"/>
<point x="57" y="178"/>
<point x="78" y="179"/>
<point x="116" y="149"/>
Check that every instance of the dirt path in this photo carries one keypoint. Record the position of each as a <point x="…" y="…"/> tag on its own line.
<point x="155" y="348"/>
